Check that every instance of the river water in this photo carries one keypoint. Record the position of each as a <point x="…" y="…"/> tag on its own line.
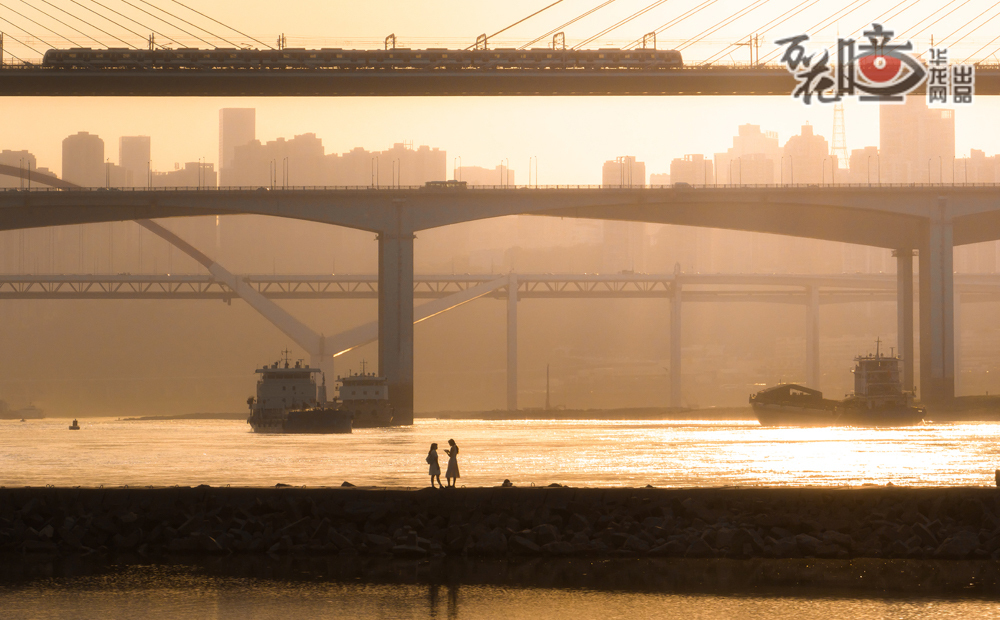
<point x="578" y="453"/>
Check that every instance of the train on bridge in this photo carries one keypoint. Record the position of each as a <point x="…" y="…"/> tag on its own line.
<point x="389" y="59"/>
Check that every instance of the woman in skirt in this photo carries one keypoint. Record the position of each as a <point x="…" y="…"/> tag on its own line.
<point x="435" y="469"/>
<point x="452" y="473"/>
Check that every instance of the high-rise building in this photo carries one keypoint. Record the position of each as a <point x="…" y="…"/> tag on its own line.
<point x="752" y="160"/>
<point x="693" y="170"/>
<point x="916" y="143"/>
<point x="134" y="158"/>
<point x="237" y="127"/>
<point x="83" y="160"/>
<point x="807" y="159"/>
<point x="623" y="172"/>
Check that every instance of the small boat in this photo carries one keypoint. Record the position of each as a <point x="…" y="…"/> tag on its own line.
<point x="74" y="426"/>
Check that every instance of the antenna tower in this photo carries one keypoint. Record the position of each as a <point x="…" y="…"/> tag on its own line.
<point x="839" y="136"/>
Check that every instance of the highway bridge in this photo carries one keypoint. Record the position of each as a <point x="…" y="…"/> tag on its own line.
<point x="927" y="219"/>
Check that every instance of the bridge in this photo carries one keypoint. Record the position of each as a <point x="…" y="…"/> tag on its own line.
<point x="929" y="219"/>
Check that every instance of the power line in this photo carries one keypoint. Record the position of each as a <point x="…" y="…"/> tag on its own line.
<point x="620" y="23"/>
<point x="689" y="13"/>
<point x="569" y="23"/>
<point x="220" y="23"/>
<point x="89" y="24"/>
<point x="167" y="23"/>
<point x="135" y="22"/>
<point x="36" y="23"/>
<point x="189" y="23"/>
<point x="518" y="22"/>
<point x="7" y="34"/>
<point x="63" y="23"/>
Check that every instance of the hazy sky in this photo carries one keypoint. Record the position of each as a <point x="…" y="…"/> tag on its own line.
<point x="570" y="136"/>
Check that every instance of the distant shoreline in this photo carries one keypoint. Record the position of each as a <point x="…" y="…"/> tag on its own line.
<point x="189" y="416"/>
<point x="627" y="413"/>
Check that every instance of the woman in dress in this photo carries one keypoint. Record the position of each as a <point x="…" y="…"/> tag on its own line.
<point x="435" y="470"/>
<point x="452" y="473"/>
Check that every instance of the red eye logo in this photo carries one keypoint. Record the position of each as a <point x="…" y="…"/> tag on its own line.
<point x="879" y="69"/>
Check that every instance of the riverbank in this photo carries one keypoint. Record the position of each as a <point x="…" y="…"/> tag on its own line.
<point x="736" y="523"/>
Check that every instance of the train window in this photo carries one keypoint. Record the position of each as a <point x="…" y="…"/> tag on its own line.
<point x="601" y="56"/>
<point x="391" y="56"/>
<point x="340" y="55"/>
<point x="548" y="55"/>
<point x="313" y="56"/>
<point x="628" y="55"/>
<point x="286" y="56"/>
<point x="126" y="55"/>
<point x="72" y="55"/>
<point x="416" y="56"/>
<point x="444" y="55"/>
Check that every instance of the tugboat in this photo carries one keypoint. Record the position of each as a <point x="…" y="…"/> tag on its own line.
<point x="878" y="399"/>
<point x="289" y="401"/>
<point x="366" y="397"/>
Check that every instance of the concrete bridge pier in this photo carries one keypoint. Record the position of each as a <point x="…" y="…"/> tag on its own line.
<point x="512" y="342"/>
<point x="904" y="314"/>
<point x="395" y="320"/>
<point x="675" y="342"/>
<point x="937" y="319"/>
<point x="812" y="338"/>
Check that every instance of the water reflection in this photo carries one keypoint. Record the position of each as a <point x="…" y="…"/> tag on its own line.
<point x="187" y="592"/>
<point x="578" y="453"/>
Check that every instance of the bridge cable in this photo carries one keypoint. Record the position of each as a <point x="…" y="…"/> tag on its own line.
<point x="87" y="8"/>
<point x="620" y="23"/>
<point x="517" y="22"/>
<point x="879" y="18"/>
<point x="945" y="38"/>
<point x="9" y="35"/>
<point x="722" y="24"/>
<point x="177" y="17"/>
<point x="774" y="22"/>
<point x="569" y="23"/>
<point x="137" y="22"/>
<point x="933" y="23"/>
<point x="221" y="24"/>
<point x="995" y="39"/>
<point x="36" y="23"/>
<point x="683" y="16"/>
<point x="63" y="23"/>
<point x="168" y="23"/>
<point x="825" y="22"/>
<point x="89" y="24"/>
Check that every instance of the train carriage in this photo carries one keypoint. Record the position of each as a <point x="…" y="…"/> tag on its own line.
<point x="434" y="59"/>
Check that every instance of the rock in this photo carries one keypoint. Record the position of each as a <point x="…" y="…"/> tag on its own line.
<point x="926" y="537"/>
<point x="282" y="485"/>
<point x="128" y="541"/>
<point x="636" y="544"/>
<point x="699" y="549"/>
<point x="545" y="534"/>
<point x="958" y="547"/>
<point x="837" y="538"/>
<point x="785" y="548"/>
<point x="379" y="543"/>
<point x="807" y="544"/>
<point x="673" y="548"/>
<point x="522" y="546"/>
<point x="346" y="484"/>
<point x="558" y="548"/>
<point x="725" y="537"/>
<point x="507" y="484"/>
<point x="493" y="543"/>
<point x="578" y="522"/>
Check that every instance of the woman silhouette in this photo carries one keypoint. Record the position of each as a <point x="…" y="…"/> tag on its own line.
<point x="435" y="469"/>
<point x="452" y="474"/>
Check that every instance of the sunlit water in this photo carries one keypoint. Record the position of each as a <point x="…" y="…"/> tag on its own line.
<point x="168" y="593"/>
<point x="577" y="453"/>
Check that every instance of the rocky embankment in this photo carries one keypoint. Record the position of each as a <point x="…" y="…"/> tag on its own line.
<point x="737" y="523"/>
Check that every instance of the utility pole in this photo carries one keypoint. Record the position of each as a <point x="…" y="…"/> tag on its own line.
<point x="548" y="403"/>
